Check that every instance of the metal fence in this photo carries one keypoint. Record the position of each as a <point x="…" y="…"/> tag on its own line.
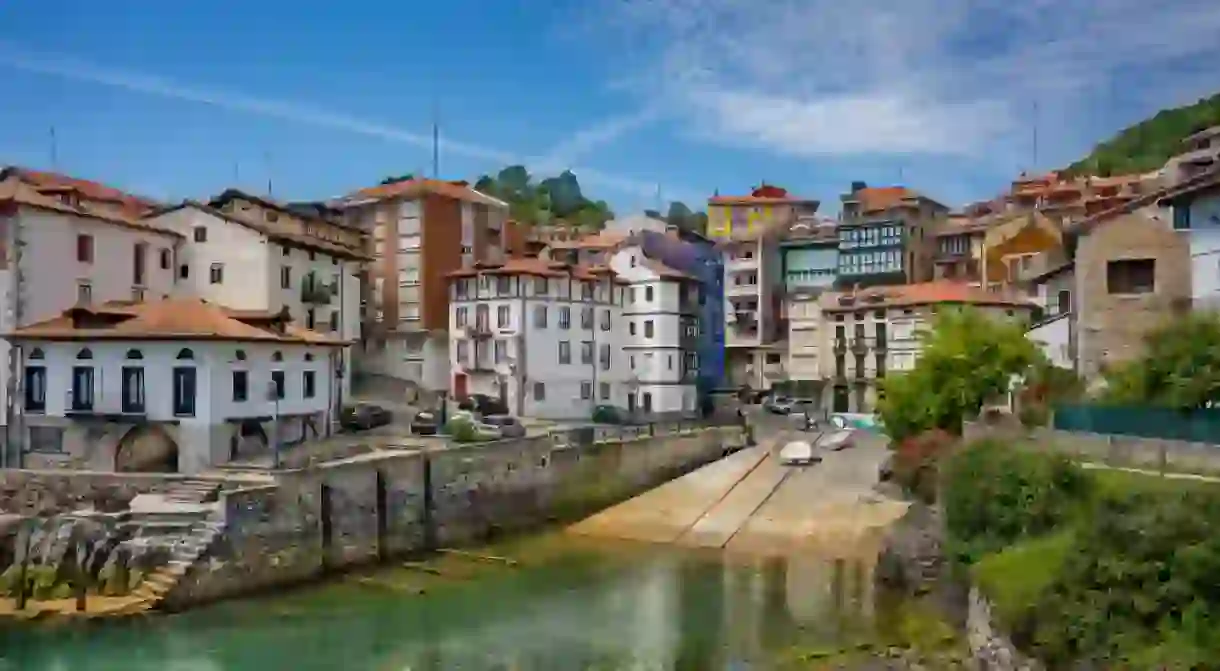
<point x="1197" y="426"/>
<point x="601" y="433"/>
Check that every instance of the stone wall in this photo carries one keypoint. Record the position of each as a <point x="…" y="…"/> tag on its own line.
<point x="391" y="503"/>
<point x="1112" y="450"/>
<point x="988" y="644"/>
<point x="49" y="492"/>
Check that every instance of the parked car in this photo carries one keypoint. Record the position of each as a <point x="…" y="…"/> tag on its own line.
<point x="484" y="431"/>
<point x="424" y="423"/>
<point x="510" y="427"/>
<point x="609" y="414"/>
<point x="778" y="405"/>
<point x="484" y="405"/>
<point x="839" y="440"/>
<point x="364" y="416"/>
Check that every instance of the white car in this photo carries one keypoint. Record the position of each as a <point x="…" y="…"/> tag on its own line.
<point x="798" y="453"/>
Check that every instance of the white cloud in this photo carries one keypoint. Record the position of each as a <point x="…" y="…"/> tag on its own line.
<point x="600" y="134"/>
<point x="883" y="77"/>
<point x="12" y="56"/>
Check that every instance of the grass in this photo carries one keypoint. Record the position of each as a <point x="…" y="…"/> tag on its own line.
<point x="1013" y="578"/>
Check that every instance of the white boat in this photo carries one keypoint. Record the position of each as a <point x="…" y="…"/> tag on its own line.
<point x="798" y="453"/>
<point x="838" y="440"/>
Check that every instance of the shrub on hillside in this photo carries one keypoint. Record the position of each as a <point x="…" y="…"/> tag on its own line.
<point x="996" y="494"/>
<point x="916" y="462"/>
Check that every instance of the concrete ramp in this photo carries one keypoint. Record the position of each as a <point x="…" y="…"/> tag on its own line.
<point x="750" y="503"/>
<point x="665" y="513"/>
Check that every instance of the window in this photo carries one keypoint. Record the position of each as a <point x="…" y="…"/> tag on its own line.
<point x="133" y="389"/>
<point x="481" y="320"/>
<point x="460" y="355"/>
<point x="82" y="388"/>
<point x="502" y="316"/>
<point x="648" y="294"/>
<point x="586" y="391"/>
<point x="605" y="357"/>
<point x="285" y="252"/>
<point x="84" y="293"/>
<point x="139" y="258"/>
<point x="605" y="320"/>
<point x="648" y="328"/>
<point x="334" y="321"/>
<point x="565" y="317"/>
<point x="460" y="317"/>
<point x="539" y="391"/>
<point x="586" y="352"/>
<point x="565" y="351"/>
<point x="631" y="328"/>
<point x="84" y="248"/>
<point x="1065" y="301"/>
<point x="671" y="362"/>
<point x="1131" y="276"/>
<point x="216" y="274"/>
<point x="603" y="389"/>
<point x="184" y="391"/>
<point x="35" y="385"/>
<point x="540" y="316"/>
<point x="166" y="259"/>
<point x="277" y="384"/>
<point x="540" y="286"/>
<point x="500" y="352"/>
<point x="308" y="384"/>
<point x="647" y="401"/>
<point x="201" y="234"/>
<point x="503" y="286"/>
<point x="285" y="276"/>
<point x="241" y="386"/>
<point x="586" y="291"/>
<point x="277" y="356"/>
<point x="310" y="319"/>
<point x="46" y="439"/>
<point x="586" y="319"/>
<point x="184" y="271"/>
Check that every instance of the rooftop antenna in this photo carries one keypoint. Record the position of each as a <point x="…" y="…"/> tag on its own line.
<point x="54" y="150"/>
<point x="1034" y="167"/>
<point x="236" y="173"/>
<point x="660" y="201"/>
<point x="436" y="140"/>
<point x="267" y="160"/>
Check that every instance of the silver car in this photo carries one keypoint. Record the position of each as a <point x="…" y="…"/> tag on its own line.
<point x="509" y="426"/>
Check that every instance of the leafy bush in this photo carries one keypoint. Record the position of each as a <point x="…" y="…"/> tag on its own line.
<point x="996" y="494"/>
<point x="916" y="461"/>
<point x="462" y="430"/>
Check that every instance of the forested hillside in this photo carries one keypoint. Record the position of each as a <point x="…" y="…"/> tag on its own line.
<point x="1148" y="144"/>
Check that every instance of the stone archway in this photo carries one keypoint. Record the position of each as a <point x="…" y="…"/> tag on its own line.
<point x="249" y="439"/>
<point x="146" y="449"/>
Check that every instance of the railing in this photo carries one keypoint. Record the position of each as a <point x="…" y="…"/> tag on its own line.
<point x="1197" y="426"/>
<point x="611" y="433"/>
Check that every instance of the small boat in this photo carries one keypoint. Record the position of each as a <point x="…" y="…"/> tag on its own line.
<point x="798" y="453"/>
<point x="835" y="441"/>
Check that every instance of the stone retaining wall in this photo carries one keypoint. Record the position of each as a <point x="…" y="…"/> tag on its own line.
<point x="988" y="644"/>
<point x="49" y="492"/>
<point x="327" y="518"/>
<point x="1113" y="450"/>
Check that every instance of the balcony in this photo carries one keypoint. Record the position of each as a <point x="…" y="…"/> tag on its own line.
<point x="741" y="263"/>
<point x="480" y="329"/>
<point x="862" y="343"/>
<point x="741" y="289"/>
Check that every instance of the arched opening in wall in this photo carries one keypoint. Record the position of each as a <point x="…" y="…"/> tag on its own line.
<point x="248" y="440"/>
<point x="146" y="449"/>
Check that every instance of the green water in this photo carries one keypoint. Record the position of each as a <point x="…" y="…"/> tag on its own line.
<point x="564" y="607"/>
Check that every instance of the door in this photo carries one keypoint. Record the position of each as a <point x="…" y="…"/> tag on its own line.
<point x="841" y="401"/>
<point x="647" y="402"/>
<point x="631" y="402"/>
<point x="459" y="385"/>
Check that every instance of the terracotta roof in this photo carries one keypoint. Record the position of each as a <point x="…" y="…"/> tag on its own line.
<point x="414" y="188"/>
<point x="927" y="293"/>
<point x="600" y="240"/>
<point x="308" y="211"/>
<point x="14" y="190"/>
<point x="171" y="319"/>
<point x="881" y="198"/>
<point x="766" y="194"/>
<point x="90" y="190"/>
<point x="539" y="268"/>
<point x="270" y="230"/>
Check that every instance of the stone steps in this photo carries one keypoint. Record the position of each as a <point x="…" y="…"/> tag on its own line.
<point x="156" y="585"/>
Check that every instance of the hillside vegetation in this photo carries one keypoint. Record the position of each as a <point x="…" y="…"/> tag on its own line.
<point x="1148" y="144"/>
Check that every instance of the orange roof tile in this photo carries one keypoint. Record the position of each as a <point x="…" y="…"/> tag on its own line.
<point x="14" y="190"/>
<point x="414" y="188"/>
<point x="539" y="268"/>
<point x="90" y="190"/>
<point x="171" y="319"/>
<point x="881" y="198"/>
<point x="927" y="293"/>
<point x="275" y="233"/>
<point x="766" y="194"/>
<point x="600" y="240"/>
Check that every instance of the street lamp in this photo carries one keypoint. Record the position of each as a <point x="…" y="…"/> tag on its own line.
<point x="273" y="395"/>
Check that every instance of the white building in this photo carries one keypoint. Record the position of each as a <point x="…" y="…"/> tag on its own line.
<point x="753" y="283"/>
<point x="661" y="315"/>
<point x="805" y="336"/>
<point x="543" y="336"/>
<point x="60" y="251"/>
<point x="244" y="260"/>
<point x="176" y="385"/>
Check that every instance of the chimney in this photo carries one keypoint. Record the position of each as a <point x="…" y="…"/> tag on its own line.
<point x="858" y="186"/>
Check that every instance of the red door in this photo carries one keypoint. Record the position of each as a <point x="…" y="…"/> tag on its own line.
<point x="459" y="386"/>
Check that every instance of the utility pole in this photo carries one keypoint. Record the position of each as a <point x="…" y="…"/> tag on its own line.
<point x="267" y="161"/>
<point x="54" y="150"/>
<point x="436" y="140"/>
<point x="13" y="387"/>
<point x="1034" y="166"/>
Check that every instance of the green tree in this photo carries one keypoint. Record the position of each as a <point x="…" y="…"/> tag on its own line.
<point x="394" y="180"/>
<point x="1180" y="367"/>
<point x="1148" y="144"/>
<point x="967" y="358"/>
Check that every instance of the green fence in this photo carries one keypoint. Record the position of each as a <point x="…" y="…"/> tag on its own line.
<point x="1199" y="426"/>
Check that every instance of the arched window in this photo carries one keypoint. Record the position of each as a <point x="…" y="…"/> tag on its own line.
<point x="308" y="356"/>
<point x="240" y="355"/>
<point x="185" y="354"/>
<point x="135" y="354"/>
<point x="85" y="353"/>
<point x="276" y="356"/>
<point x="37" y="353"/>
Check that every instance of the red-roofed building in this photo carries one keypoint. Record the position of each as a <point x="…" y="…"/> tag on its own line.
<point x="887" y="235"/>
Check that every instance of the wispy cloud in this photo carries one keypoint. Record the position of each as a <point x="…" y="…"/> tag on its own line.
<point x="598" y="135"/>
<point x="818" y="78"/>
<point x="15" y="57"/>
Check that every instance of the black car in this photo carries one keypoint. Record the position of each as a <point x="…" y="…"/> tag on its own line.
<point x="364" y="416"/>
<point x="424" y="423"/>
<point x="484" y="405"/>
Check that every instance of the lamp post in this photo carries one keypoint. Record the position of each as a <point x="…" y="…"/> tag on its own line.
<point x="274" y="396"/>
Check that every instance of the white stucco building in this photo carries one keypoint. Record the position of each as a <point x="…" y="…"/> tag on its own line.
<point x="544" y="336"/>
<point x="244" y="260"/>
<point x="176" y="385"/>
<point x="60" y="250"/>
<point x="661" y="315"/>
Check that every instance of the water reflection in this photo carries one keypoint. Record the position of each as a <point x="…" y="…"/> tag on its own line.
<point x="656" y="610"/>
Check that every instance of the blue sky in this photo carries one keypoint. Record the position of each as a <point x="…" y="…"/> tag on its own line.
<point x="183" y="99"/>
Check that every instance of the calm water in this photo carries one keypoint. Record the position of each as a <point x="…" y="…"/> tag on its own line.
<point x="565" y="608"/>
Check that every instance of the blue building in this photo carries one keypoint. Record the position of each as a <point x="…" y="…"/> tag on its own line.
<point x="887" y="235"/>
<point x="698" y="257"/>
